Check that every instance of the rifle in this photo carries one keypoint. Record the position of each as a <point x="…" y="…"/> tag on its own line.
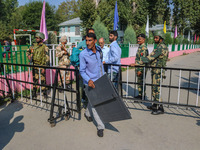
<point x="63" y="48"/>
<point x="31" y="60"/>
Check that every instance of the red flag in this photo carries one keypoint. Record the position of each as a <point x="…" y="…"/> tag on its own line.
<point x="197" y="38"/>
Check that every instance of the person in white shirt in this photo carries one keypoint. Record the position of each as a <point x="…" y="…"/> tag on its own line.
<point x="105" y="51"/>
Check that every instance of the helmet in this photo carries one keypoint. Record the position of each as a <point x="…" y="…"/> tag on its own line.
<point x="40" y="35"/>
<point x="159" y="33"/>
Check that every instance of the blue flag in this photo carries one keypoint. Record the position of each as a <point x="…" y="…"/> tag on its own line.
<point x="116" y="18"/>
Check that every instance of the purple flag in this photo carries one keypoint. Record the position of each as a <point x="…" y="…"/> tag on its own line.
<point x="195" y="38"/>
<point x="175" y="32"/>
<point x="43" y="27"/>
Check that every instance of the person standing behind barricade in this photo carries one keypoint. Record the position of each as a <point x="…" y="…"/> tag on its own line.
<point x="91" y="69"/>
<point x="141" y="52"/>
<point x="114" y="57"/>
<point x="158" y="58"/>
<point x="38" y="55"/>
<point x="82" y="45"/>
<point x="64" y="61"/>
<point x="105" y="51"/>
<point x="7" y="48"/>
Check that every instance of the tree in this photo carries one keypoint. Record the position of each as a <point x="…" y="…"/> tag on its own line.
<point x="87" y="13"/>
<point x="68" y="10"/>
<point x="107" y="15"/>
<point x="32" y="20"/>
<point x="168" y="38"/>
<point x="100" y="30"/>
<point x="52" y="39"/>
<point x="159" y="11"/>
<point x="129" y="35"/>
<point x="186" y="14"/>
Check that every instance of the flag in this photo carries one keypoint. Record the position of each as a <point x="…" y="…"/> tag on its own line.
<point x="43" y="27"/>
<point x="164" y="28"/>
<point x="147" y="26"/>
<point x="175" y="32"/>
<point x="116" y="18"/>
<point x="195" y="38"/>
<point x="189" y="36"/>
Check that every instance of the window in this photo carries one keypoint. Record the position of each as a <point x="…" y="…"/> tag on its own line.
<point x="77" y="30"/>
<point x="63" y="29"/>
<point x="68" y="30"/>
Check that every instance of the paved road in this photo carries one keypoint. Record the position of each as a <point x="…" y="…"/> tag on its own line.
<point x="24" y="126"/>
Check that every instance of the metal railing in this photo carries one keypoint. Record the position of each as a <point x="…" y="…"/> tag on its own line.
<point x="178" y="86"/>
<point x="63" y="101"/>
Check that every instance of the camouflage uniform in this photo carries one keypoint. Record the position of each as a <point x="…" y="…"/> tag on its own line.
<point x="40" y="57"/>
<point x="141" y="52"/>
<point x="158" y="58"/>
<point x="64" y="62"/>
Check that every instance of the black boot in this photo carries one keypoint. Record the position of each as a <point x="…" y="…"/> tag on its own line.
<point x="34" y="95"/>
<point x="158" y="111"/>
<point x="45" y="94"/>
<point x="152" y="106"/>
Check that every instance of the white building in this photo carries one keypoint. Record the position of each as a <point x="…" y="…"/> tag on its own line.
<point x="72" y="29"/>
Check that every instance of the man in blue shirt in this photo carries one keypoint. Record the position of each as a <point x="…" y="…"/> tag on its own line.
<point x="91" y="69"/>
<point x="105" y="51"/>
<point x="114" y="57"/>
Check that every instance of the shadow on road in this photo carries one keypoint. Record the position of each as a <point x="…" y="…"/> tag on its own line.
<point x="8" y="124"/>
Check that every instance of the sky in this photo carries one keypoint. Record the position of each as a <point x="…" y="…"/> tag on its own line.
<point x="51" y="2"/>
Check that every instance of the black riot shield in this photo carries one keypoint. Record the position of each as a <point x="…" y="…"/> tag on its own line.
<point x="106" y="100"/>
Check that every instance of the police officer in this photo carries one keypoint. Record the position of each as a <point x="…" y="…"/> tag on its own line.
<point x="141" y="52"/>
<point x="158" y="58"/>
<point x="64" y="61"/>
<point x="38" y="55"/>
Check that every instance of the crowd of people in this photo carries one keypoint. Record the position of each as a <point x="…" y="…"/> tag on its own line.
<point x="94" y="61"/>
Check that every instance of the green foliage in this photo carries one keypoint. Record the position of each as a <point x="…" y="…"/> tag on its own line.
<point x="100" y="30"/>
<point x="67" y="10"/>
<point x="168" y="38"/>
<point x="87" y="13"/>
<point x="129" y="35"/>
<point x="52" y="39"/>
<point x="32" y="15"/>
<point x="186" y="14"/>
<point x="150" y="40"/>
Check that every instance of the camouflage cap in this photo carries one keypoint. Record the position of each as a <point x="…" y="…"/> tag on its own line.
<point x="40" y="35"/>
<point x="159" y="33"/>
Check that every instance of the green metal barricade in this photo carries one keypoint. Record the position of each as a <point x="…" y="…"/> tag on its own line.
<point x="125" y="50"/>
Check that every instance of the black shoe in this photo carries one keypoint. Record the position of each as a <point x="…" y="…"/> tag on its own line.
<point x="100" y="133"/>
<point x="154" y="106"/>
<point x="45" y="95"/>
<point x="158" y="111"/>
<point x="139" y="97"/>
<point x="34" y="95"/>
<point x="89" y="119"/>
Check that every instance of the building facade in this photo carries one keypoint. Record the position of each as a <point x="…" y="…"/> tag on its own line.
<point x="72" y="29"/>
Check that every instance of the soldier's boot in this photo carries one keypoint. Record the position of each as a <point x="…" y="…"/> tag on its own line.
<point x="34" y="95"/>
<point x="45" y="94"/>
<point x="158" y="111"/>
<point x="152" y="106"/>
<point x="161" y="109"/>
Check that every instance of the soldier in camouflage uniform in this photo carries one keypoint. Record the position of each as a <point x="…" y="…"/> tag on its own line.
<point x="64" y="61"/>
<point x="38" y="55"/>
<point x="158" y="58"/>
<point x="141" y="52"/>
